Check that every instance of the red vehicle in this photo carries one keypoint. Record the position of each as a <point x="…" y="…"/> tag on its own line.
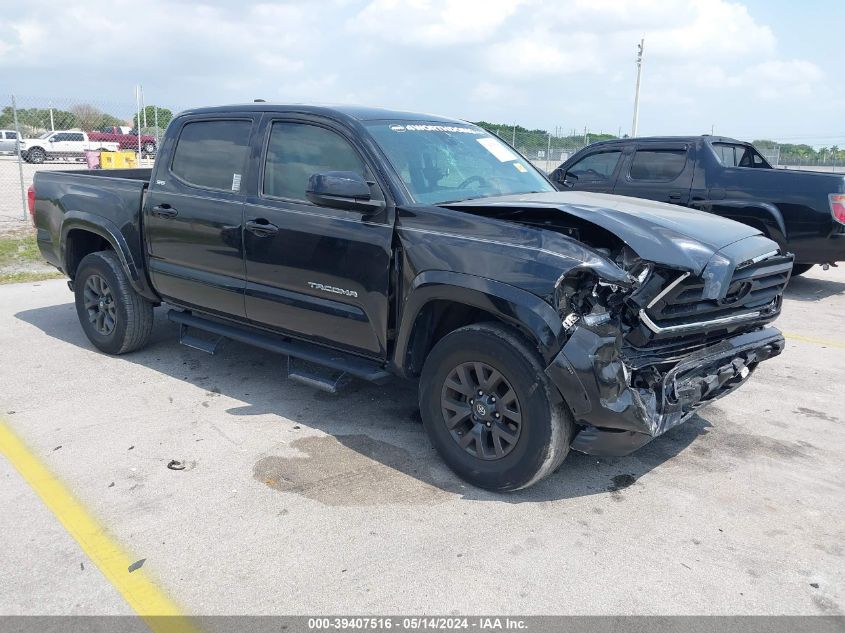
<point x="126" y="141"/>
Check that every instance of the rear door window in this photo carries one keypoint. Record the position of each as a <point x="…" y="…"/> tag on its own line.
<point x="658" y="164"/>
<point x="596" y="167"/>
<point x="212" y="154"/>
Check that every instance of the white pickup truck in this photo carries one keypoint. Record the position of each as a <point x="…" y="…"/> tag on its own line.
<point x="64" y="144"/>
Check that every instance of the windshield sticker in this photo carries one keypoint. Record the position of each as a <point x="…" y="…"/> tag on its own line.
<point x="520" y="167"/>
<point x="236" y="182"/>
<point x="418" y="127"/>
<point x="497" y="149"/>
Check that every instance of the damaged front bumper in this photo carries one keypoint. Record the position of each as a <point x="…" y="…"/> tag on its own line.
<point x="623" y="398"/>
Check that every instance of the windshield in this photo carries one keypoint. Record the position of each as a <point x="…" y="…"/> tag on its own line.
<point x="446" y="162"/>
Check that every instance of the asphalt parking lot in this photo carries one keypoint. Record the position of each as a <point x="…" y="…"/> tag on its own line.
<point x="293" y="501"/>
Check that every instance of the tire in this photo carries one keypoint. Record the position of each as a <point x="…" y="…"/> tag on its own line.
<point x="800" y="269"/>
<point x="149" y="147"/>
<point x="122" y="320"/>
<point x="36" y="155"/>
<point x="538" y="443"/>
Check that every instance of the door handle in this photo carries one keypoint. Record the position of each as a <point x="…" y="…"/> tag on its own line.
<point x="164" y="211"/>
<point x="674" y="195"/>
<point x="261" y="228"/>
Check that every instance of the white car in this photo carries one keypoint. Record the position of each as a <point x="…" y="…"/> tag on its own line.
<point x="8" y="141"/>
<point x="65" y="144"/>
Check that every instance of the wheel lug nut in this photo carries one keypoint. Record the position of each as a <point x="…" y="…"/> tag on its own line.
<point x="493" y="400"/>
<point x="498" y="416"/>
<point x="488" y="424"/>
<point x="472" y="401"/>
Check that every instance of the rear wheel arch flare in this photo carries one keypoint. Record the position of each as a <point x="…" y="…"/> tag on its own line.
<point x="80" y="242"/>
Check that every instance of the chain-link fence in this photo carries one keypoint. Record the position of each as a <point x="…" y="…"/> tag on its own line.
<point x="546" y="150"/>
<point x="825" y="159"/>
<point x="42" y="133"/>
<point x="38" y="133"/>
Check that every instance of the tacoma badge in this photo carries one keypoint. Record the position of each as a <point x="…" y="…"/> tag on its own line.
<point x="339" y="291"/>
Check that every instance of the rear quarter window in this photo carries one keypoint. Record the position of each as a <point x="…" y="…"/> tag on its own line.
<point x="212" y="154"/>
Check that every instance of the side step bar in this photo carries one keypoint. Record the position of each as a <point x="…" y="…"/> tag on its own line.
<point x="318" y="377"/>
<point x="339" y="361"/>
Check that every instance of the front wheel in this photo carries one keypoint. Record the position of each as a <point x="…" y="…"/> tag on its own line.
<point x="149" y="147"/>
<point x="115" y="318"/>
<point x="800" y="269"/>
<point x="488" y="408"/>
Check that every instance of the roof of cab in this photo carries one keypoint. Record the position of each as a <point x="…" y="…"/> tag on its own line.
<point x="668" y="139"/>
<point x="359" y="113"/>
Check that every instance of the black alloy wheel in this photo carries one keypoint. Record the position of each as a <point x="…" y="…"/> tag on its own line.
<point x="114" y="317"/>
<point x="481" y="410"/>
<point x="100" y="305"/>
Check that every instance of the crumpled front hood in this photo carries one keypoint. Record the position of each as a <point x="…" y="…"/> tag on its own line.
<point x="659" y="232"/>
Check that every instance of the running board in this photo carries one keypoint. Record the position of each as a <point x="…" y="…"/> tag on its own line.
<point x="316" y="376"/>
<point x="339" y="361"/>
<point x="209" y="346"/>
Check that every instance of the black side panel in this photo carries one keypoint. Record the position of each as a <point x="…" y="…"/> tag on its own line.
<point x="193" y="228"/>
<point x="314" y="271"/>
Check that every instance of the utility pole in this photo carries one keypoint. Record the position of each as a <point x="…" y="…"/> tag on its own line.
<point x="138" y="105"/>
<point x="143" y="110"/>
<point x="18" y="139"/>
<point x="640" y="48"/>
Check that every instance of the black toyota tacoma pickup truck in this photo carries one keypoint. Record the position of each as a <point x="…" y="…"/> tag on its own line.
<point x="371" y="243"/>
<point x="803" y="211"/>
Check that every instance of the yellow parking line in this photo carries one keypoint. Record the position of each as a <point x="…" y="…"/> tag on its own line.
<point x="810" y="339"/>
<point x="136" y="587"/>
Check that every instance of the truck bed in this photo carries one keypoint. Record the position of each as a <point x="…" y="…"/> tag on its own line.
<point x="108" y="200"/>
<point x="137" y="173"/>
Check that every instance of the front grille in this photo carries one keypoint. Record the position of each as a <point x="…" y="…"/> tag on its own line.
<point x="754" y="287"/>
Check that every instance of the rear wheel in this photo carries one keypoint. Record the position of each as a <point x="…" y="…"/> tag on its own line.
<point x="488" y="408"/>
<point x="800" y="269"/>
<point x="115" y="318"/>
<point x="149" y="147"/>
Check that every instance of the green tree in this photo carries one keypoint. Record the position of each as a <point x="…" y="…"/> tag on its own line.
<point x="36" y="120"/>
<point x="111" y="121"/>
<point x="164" y="116"/>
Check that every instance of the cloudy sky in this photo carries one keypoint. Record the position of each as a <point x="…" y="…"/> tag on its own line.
<point x="752" y="69"/>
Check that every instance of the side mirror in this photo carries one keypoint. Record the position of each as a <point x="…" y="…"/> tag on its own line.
<point x="568" y="180"/>
<point x="52" y="139"/>
<point x="341" y="190"/>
